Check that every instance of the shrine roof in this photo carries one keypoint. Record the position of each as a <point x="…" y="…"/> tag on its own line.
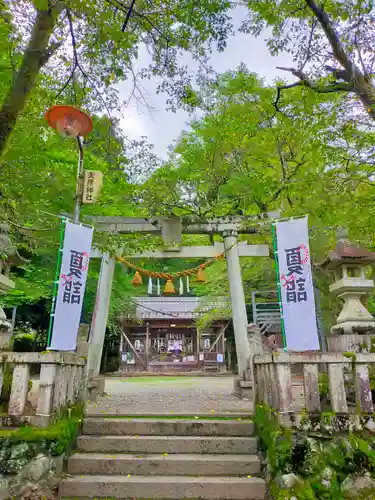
<point x="349" y="253"/>
<point x="177" y="307"/>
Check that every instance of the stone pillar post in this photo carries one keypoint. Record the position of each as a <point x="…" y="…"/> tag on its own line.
<point x="5" y="332"/>
<point x="100" y="315"/>
<point x="82" y="340"/>
<point x="239" y="314"/>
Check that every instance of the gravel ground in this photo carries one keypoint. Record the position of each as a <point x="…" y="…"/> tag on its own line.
<point x="169" y="395"/>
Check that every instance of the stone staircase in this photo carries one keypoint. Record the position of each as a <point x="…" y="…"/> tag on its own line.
<point x="165" y="458"/>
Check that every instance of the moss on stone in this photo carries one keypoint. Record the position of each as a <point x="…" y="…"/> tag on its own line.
<point x="320" y="465"/>
<point x="56" y="439"/>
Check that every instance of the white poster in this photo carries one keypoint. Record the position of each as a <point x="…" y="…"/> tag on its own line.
<point x="73" y="274"/>
<point x="297" y="291"/>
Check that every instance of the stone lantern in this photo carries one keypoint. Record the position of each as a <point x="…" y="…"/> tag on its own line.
<point x="354" y="324"/>
<point x="8" y="258"/>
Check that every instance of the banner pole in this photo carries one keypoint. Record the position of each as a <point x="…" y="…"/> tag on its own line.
<point x="57" y="279"/>
<point x="274" y="242"/>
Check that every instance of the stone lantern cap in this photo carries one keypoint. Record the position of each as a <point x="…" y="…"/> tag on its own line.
<point x="347" y="252"/>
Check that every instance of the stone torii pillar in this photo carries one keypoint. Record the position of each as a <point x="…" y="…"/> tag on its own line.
<point x="237" y="295"/>
<point x="100" y="315"/>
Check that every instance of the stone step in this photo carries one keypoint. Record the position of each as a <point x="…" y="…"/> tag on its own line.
<point x="170" y="444"/>
<point x="169" y="415"/>
<point x="151" y="465"/>
<point x="167" y="427"/>
<point x="163" y="487"/>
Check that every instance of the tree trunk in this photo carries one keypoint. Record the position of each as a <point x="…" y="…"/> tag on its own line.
<point x="34" y="58"/>
<point x="363" y="86"/>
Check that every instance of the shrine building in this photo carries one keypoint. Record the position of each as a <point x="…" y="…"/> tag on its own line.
<point x="162" y="336"/>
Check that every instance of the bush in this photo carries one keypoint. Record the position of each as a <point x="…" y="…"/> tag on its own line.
<point x="323" y="385"/>
<point x="7" y="385"/>
<point x="321" y="465"/>
<point x="26" y="339"/>
<point x="112" y="364"/>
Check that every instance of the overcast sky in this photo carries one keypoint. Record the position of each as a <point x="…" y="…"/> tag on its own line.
<point x="163" y="127"/>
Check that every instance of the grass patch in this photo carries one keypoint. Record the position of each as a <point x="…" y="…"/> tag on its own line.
<point x="57" y="437"/>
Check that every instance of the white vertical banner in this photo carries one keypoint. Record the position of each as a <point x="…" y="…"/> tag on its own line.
<point x="296" y="285"/>
<point x="73" y="275"/>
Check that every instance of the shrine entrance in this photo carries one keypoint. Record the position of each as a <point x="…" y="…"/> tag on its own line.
<point x="171" y="229"/>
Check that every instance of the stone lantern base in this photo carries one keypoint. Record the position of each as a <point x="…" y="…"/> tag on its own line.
<point x="351" y="343"/>
<point x="354" y="317"/>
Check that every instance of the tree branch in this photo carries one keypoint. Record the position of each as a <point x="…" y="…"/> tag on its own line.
<point x="128" y="15"/>
<point x="306" y="82"/>
<point x="33" y="60"/>
<point x="279" y="88"/>
<point x="313" y="26"/>
<point x="337" y="47"/>
<point x="323" y="89"/>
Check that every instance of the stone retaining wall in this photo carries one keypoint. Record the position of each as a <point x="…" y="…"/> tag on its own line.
<point x="24" y="477"/>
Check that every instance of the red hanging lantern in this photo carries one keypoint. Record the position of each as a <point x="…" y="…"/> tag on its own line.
<point x="69" y="121"/>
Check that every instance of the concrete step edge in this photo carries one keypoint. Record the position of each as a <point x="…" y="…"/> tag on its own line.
<point x="164" y="487"/>
<point x="165" y="479"/>
<point x="131" y="437"/>
<point x="167" y="444"/>
<point x="237" y="420"/>
<point x="164" y="464"/>
<point x="175" y="456"/>
<point x="170" y="416"/>
<point x="182" y="427"/>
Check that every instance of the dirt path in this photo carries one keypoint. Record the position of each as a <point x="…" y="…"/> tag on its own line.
<point x="169" y="395"/>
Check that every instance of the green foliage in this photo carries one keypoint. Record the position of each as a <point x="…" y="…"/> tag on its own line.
<point x="323" y="385"/>
<point x="329" y="45"/>
<point x="302" y="491"/>
<point x="240" y="158"/>
<point x="321" y="465"/>
<point x="104" y="49"/>
<point x="55" y="439"/>
<point x="274" y="440"/>
<point x="6" y="388"/>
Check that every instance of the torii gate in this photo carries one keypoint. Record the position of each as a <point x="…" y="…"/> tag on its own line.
<point x="171" y="230"/>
